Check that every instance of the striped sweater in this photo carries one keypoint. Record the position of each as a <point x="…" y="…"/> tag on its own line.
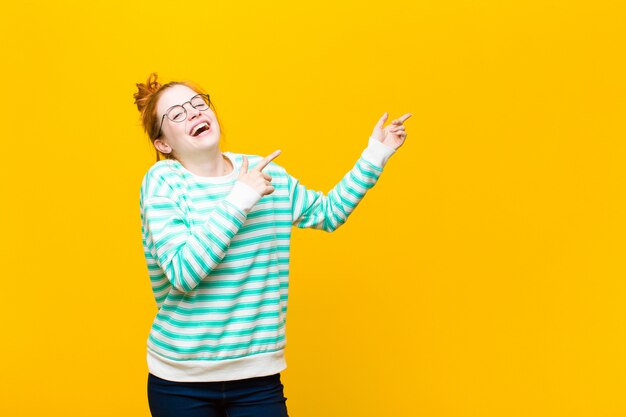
<point x="218" y="260"/>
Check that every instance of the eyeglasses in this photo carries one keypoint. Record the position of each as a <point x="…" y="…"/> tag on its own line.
<point x="178" y="113"/>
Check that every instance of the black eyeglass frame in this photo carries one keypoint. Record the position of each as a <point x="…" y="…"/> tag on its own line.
<point x="207" y="101"/>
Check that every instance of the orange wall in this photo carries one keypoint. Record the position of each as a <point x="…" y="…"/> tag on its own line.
<point x="484" y="274"/>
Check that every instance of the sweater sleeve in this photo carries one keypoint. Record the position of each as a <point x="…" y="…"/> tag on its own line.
<point x="189" y="254"/>
<point x="328" y="212"/>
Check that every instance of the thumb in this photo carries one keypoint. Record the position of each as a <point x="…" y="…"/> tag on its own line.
<point x="382" y="120"/>
<point x="244" y="167"/>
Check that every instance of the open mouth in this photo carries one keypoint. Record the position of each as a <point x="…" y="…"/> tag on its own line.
<point x="199" y="129"/>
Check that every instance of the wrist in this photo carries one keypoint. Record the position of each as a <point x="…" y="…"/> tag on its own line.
<point x="377" y="153"/>
<point x="243" y="196"/>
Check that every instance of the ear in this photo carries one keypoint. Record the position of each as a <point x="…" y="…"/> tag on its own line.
<point x="163" y="147"/>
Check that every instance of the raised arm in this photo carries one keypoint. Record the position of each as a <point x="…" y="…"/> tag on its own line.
<point x="328" y="212"/>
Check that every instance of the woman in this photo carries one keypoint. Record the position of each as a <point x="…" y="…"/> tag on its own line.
<point x="216" y="230"/>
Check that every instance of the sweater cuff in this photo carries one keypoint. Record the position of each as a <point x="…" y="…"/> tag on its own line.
<point x="243" y="196"/>
<point x="377" y="153"/>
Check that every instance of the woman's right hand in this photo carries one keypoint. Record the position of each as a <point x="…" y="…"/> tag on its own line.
<point x="256" y="178"/>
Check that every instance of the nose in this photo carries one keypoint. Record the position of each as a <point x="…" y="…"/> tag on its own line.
<point x="191" y="111"/>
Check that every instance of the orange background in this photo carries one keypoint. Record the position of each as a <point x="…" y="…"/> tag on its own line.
<point x="482" y="276"/>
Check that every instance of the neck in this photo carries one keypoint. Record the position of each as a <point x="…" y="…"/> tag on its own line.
<point x="209" y="163"/>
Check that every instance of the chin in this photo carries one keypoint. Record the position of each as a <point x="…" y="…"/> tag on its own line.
<point x="206" y="142"/>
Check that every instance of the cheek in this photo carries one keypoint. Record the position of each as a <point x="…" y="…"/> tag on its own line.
<point x="177" y="129"/>
<point x="216" y="122"/>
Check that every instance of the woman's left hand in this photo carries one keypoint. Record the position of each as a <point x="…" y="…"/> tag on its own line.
<point x="392" y="135"/>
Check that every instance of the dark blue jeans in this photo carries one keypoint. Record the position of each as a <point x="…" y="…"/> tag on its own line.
<point x="253" y="397"/>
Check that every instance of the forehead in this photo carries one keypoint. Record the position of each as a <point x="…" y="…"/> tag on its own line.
<point x="176" y="94"/>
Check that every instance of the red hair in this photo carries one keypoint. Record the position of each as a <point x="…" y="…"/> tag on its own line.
<point x="146" y="99"/>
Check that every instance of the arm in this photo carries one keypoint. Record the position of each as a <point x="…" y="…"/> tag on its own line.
<point x="188" y="255"/>
<point x="328" y="212"/>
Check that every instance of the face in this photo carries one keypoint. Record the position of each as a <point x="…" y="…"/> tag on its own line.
<point x="196" y="132"/>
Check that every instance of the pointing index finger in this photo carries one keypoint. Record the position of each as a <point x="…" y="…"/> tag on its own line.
<point x="265" y="161"/>
<point x="404" y="117"/>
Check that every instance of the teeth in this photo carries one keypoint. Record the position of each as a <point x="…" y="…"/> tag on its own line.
<point x="195" y="129"/>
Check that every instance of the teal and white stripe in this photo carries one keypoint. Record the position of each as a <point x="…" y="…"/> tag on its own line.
<point x="218" y="260"/>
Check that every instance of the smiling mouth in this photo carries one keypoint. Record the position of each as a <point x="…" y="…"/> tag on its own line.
<point x="202" y="127"/>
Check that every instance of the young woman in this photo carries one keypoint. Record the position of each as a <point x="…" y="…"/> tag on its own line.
<point x="216" y="230"/>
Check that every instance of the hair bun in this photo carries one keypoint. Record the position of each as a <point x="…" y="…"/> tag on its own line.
<point x="145" y="91"/>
